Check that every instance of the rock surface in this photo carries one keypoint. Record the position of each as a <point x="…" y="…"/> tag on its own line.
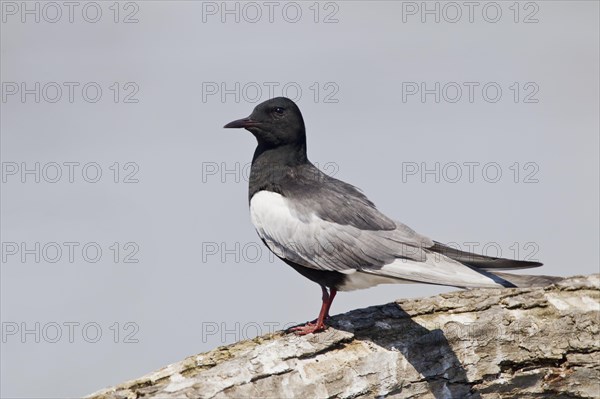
<point x="484" y="343"/>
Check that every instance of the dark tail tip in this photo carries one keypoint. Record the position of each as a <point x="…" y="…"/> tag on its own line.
<point x="524" y="280"/>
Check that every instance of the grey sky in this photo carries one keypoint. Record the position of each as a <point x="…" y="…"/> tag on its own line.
<point x="203" y="278"/>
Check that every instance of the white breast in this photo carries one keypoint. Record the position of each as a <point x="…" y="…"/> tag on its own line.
<point x="274" y="220"/>
<point x="269" y="210"/>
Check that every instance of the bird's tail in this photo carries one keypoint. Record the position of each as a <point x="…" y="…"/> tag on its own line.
<point x="525" y="280"/>
<point x="489" y="266"/>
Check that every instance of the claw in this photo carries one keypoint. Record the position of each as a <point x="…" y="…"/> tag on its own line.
<point x="308" y="328"/>
<point x="318" y="324"/>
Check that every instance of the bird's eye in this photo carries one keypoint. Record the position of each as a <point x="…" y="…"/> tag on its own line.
<point x="278" y="110"/>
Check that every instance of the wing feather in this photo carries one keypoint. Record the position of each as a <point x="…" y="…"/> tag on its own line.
<point x="326" y="245"/>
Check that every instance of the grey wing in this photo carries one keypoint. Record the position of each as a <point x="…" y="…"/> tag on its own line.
<point x="311" y="241"/>
<point x="399" y="253"/>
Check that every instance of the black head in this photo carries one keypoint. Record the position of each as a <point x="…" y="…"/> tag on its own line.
<point x="275" y="122"/>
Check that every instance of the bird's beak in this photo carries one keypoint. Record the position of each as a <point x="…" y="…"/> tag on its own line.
<point x="241" y="123"/>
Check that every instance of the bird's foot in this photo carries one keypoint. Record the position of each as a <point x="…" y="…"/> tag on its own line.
<point x="308" y="328"/>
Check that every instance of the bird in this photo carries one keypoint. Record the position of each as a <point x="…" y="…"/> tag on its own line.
<point x="331" y="233"/>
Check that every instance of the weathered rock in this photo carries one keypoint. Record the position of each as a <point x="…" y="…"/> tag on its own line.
<point x="488" y="343"/>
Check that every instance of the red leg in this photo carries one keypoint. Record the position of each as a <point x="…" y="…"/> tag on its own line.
<point x="324" y="298"/>
<point x="319" y="324"/>
<point x="332" y="292"/>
